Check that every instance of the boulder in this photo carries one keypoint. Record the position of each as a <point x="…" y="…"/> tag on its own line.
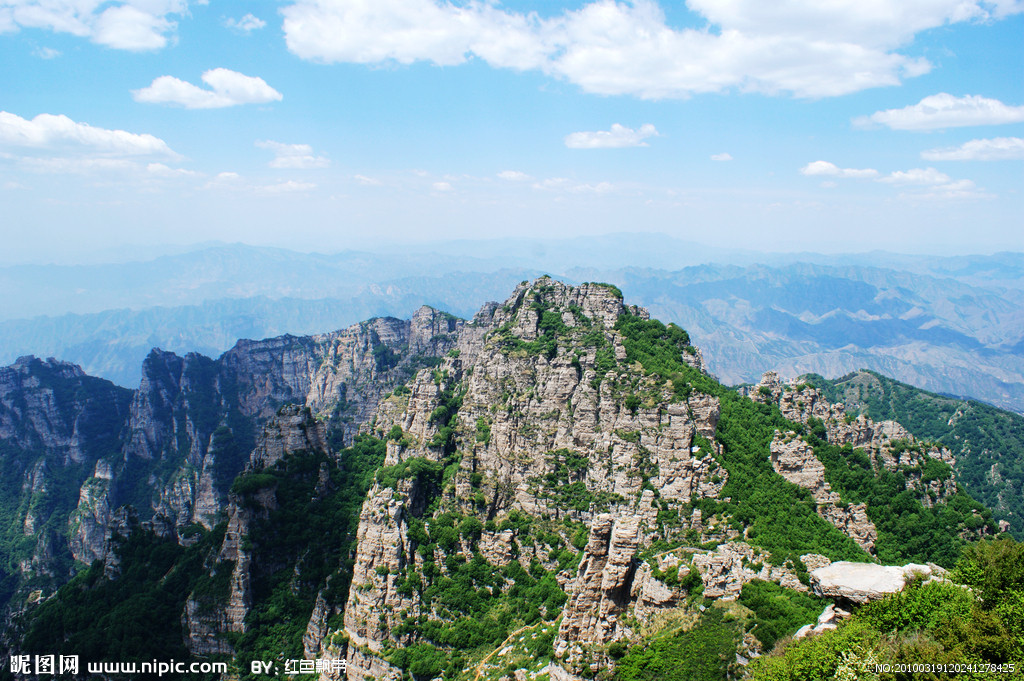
<point x="863" y="582"/>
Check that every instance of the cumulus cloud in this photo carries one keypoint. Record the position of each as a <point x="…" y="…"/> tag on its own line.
<point x="227" y="88"/>
<point x="293" y="156"/>
<point x="49" y="131"/>
<point x="831" y="169"/>
<point x="617" y="137"/>
<point x="137" y="25"/>
<point x="945" y="111"/>
<point x="997" y="149"/>
<point x="804" y="47"/>
<point x="721" y="157"/>
<point x="246" y="24"/>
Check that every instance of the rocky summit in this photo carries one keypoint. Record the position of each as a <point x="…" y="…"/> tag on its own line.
<point x="528" y="494"/>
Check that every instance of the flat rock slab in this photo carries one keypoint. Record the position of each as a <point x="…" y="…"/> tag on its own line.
<point x="863" y="582"/>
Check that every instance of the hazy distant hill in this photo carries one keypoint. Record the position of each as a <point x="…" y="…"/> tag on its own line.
<point x="951" y="325"/>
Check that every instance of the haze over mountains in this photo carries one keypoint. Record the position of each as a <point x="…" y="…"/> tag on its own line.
<point x="949" y="324"/>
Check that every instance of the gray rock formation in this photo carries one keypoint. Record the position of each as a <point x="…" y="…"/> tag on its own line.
<point x="794" y="459"/>
<point x="863" y="582"/>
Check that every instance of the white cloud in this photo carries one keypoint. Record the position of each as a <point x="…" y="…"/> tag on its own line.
<point x="78" y="165"/>
<point x="945" y="111"/>
<point x="804" y="47"/>
<point x="921" y="176"/>
<point x="293" y="156"/>
<point x="126" y="27"/>
<point x="721" y="157"/>
<point x="956" y="189"/>
<point x="136" y="25"/>
<point x="564" y="184"/>
<point x="161" y="170"/>
<point x="514" y="176"/>
<point x="405" y="31"/>
<point x="46" y="53"/>
<point x="367" y="181"/>
<point x="246" y="24"/>
<point x="921" y="183"/>
<point x="442" y="186"/>
<point x="830" y="169"/>
<point x="48" y="131"/>
<point x="228" y="88"/>
<point x="289" y="187"/>
<point x="997" y="149"/>
<point x="617" y="137"/>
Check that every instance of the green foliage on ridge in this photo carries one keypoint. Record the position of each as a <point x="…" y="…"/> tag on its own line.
<point x="938" y="623"/>
<point x="988" y="442"/>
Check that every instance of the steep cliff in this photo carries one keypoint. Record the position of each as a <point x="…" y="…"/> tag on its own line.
<point x="194" y="421"/>
<point x="55" y="424"/>
<point x="541" y="490"/>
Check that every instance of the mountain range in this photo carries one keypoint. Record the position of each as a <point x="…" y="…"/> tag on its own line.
<point x="951" y="325"/>
<point x="554" y="486"/>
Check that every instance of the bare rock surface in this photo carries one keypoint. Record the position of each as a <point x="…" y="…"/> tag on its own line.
<point x="863" y="582"/>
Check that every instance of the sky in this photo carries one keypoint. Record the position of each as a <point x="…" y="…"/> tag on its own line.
<point x="322" y="125"/>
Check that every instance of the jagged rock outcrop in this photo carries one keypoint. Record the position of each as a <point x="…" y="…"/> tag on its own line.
<point x="56" y="424"/>
<point x="292" y="430"/>
<point x="54" y="410"/>
<point x="603" y="587"/>
<point x="536" y="393"/>
<point x="794" y="459"/>
<point x="725" y="570"/>
<point x="888" y="444"/>
<point x="193" y="421"/>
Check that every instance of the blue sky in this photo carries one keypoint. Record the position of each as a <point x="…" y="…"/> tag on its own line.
<point x="328" y="124"/>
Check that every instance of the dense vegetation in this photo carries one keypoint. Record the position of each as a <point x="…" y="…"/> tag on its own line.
<point x="134" y="617"/>
<point x="302" y="545"/>
<point x="138" y="614"/>
<point x="94" y="409"/>
<point x="938" y="623"/>
<point x="988" y="442"/>
<point x="310" y="513"/>
<point x="705" y="652"/>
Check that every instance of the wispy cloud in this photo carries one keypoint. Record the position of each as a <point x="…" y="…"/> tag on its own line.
<point x="227" y="88"/>
<point x="997" y="149"/>
<point x="832" y="170"/>
<point x="514" y="176"/>
<point x="46" y="53"/>
<point x="293" y="156"/>
<point x="943" y="110"/>
<point x="721" y="157"/>
<point x="246" y="24"/>
<point x="137" y="25"/>
<point x="618" y="136"/>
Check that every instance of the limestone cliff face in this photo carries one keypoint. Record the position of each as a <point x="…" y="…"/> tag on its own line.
<point x="889" y="445"/>
<point x="55" y="425"/>
<point x="293" y="429"/>
<point x="536" y="412"/>
<point x="193" y="421"/>
<point x="793" y="459"/>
